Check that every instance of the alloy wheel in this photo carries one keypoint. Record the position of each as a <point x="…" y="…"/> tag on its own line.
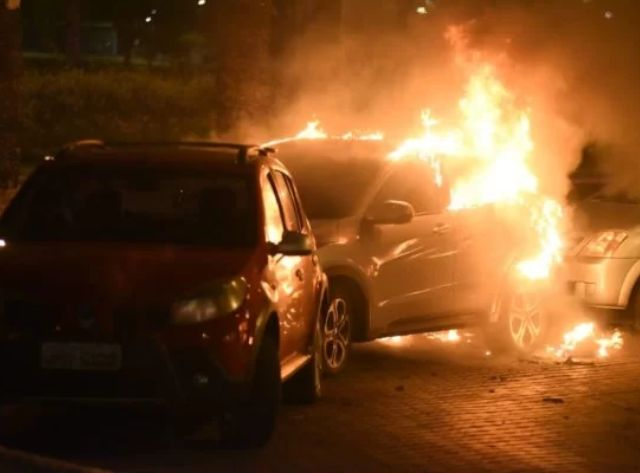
<point x="525" y="320"/>
<point x="336" y="333"/>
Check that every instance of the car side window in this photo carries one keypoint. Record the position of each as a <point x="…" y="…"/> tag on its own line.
<point x="415" y="183"/>
<point x="302" y="217"/>
<point x="292" y="221"/>
<point x="274" y="223"/>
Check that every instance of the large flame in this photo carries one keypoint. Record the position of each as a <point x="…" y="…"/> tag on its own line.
<point x="494" y="142"/>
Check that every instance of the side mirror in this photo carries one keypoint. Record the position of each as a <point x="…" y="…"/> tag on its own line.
<point x="390" y="212"/>
<point x="294" y="244"/>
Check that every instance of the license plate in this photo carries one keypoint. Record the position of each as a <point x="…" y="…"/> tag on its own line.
<point x="81" y="356"/>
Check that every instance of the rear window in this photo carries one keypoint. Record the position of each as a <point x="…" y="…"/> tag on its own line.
<point x="133" y="204"/>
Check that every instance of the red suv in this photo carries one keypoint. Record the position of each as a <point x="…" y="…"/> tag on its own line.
<point x="183" y="275"/>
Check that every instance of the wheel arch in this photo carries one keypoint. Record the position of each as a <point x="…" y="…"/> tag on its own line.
<point x="630" y="285"/>
<point x="356" y="282"/>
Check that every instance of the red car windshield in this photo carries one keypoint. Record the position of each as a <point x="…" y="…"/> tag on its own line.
<point x="131" y="204"/>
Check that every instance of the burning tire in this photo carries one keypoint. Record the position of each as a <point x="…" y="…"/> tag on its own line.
<point x="518" y="322"/>
<point x="337" y="325"/>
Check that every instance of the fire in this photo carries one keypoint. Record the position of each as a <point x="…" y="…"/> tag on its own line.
<point x="586" y="332"/>
<point x="449" y="336"/>
<point x="314" y="131"/>
<point x="494" y="143"/>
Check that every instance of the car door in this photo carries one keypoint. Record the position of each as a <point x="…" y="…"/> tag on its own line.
<point x="300" y="268"/>
<point x="412" y="264"/>
<point x="284" y="284"/>
<point x="310" y="268"/>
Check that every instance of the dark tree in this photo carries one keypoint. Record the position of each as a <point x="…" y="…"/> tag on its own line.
<point x="73" y="18"/>
<point x="10" y="68"/>
<point x="239" y="33"/>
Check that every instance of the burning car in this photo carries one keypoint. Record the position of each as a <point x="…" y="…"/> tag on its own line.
<point x="180" y="275"/>
<point x="398" y="258"/>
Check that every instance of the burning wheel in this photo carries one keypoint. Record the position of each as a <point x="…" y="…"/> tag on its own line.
<point x="336" y="333"/>
<point x="519" y="322"/>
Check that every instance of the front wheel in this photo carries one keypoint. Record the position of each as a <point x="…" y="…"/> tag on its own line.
<point x="519" y="323"/>
<point x="250" y="424"/>
<point x="336" y="329"/>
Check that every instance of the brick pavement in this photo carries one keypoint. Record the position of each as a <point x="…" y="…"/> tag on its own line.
<point x="423" y="407"/>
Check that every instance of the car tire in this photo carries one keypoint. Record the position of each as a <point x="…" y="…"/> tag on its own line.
<point x="305" y="387"/>
<point x="250" y="424"/>
<point x="633" y="310"/>
<point x="518" y="323"/>
<point x="337" y="324"/>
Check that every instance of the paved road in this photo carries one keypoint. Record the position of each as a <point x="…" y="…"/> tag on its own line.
<point x="423" y="406"/>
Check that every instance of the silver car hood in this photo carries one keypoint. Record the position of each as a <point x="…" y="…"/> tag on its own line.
<point x="325" y="231"/>
<point x="335" y="230"/>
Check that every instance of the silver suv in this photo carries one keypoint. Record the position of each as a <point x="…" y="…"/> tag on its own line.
<point x="399" y="262"/>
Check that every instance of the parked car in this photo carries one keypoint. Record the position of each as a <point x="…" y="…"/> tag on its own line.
<point x="398" y="260"/>
<point x="603" y="266"/>
<point x="181" y="275"/>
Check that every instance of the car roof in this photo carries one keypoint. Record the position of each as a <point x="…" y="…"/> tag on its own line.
<point x="180" y="155"/>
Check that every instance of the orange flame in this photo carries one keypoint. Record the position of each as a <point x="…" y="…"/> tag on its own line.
<point x="586" y="332"/>
<point x="494" y="141"/>
<point x="314" y="131"/>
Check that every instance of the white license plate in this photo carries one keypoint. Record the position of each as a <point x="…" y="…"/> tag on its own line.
<point x="81" y="356"/>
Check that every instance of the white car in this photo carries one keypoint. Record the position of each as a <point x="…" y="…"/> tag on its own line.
<point x="603" y="268"/>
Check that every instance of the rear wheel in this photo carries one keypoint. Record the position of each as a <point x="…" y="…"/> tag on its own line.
<point x="251" y="424"/>
<point x="337" y="325"/>
<point x="519" y="324"/>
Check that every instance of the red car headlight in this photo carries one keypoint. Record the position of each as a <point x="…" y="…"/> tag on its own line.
<point x="215" y="300"/>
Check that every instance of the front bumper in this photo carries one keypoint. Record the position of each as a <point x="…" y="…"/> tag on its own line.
<point x="150" y="374"/>
<point x="600" y="282"/>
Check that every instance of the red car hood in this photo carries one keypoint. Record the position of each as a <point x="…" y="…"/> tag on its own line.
<point x="111" y="278"/>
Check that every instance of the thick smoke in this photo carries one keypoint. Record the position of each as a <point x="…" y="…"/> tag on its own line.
<point x="574" y="63"/>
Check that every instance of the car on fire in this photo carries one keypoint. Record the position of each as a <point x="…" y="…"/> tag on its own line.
<point x="399" y="261"/>
<point x="180" y="275"/>
<point x="603" y="266"/>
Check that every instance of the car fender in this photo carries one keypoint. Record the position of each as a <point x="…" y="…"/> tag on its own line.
<point x="629" y="284"/>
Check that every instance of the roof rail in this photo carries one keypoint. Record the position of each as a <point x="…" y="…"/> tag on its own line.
<point x="244" y="150"/>
<point x="74" y="145"/>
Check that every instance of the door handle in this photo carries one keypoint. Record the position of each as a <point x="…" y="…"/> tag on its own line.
<point x="299" y="274"/>
<point x="441" y="228"/>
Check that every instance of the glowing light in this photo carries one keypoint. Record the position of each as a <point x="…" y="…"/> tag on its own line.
<point x="395" y="340"/>
<point x="448" y="336"/>
<point x="148" y="19"/>
<point x="586" y="332"/>
<point x="314" y="131"/>
<point x="2" y="243"/>
<point x="421" y="10"/>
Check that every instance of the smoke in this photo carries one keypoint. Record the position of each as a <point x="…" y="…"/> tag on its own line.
<point x="573" y="63"/>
